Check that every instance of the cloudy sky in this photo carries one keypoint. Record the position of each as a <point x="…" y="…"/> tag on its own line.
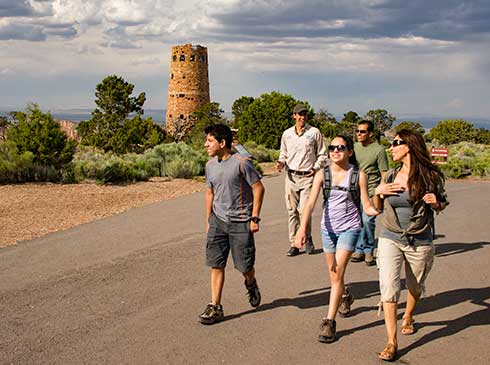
<point x="406" y="56"/>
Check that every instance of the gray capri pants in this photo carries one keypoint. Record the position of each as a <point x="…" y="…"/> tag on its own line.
<point x="418" y="262"/>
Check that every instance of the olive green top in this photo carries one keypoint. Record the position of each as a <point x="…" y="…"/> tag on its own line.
<point x="372" y="160"/>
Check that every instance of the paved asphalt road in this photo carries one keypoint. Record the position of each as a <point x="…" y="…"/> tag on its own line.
<point x="128" y="289"/>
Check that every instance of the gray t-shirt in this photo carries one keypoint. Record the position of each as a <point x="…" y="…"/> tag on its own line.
<point x="231" y="181"/>
<point x="403" y="210"/>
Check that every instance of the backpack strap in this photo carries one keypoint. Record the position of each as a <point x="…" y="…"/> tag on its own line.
<point x="354" y="189"/>
<point x="327" y="183"/>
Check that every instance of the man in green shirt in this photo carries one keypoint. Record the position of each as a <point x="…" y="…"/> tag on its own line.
<point x="373" y="161"/>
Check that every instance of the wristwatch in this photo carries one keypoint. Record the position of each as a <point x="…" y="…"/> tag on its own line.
<point x="255" y="219"/>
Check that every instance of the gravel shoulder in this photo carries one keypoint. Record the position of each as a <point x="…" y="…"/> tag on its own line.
<point x="29" y="211"/>
<point x="33" y="210"/>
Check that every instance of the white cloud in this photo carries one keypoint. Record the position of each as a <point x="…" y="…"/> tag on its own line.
<point x="82" y="12"/>
<point x="128" y="11"/>
<point x="6" y="72"/>
<point x="41" y="7"/>
<point x="455" y="103"/>
<point x="383" y="42"/>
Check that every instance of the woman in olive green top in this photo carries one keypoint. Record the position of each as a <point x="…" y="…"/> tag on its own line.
<point x="408" y="197"/>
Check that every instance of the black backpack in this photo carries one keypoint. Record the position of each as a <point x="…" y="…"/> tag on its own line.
<point x="353" y="188"/>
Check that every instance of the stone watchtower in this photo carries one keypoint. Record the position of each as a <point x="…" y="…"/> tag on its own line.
<point x="188" y="87"/>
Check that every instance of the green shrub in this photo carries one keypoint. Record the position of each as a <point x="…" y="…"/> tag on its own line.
<point x="91" y="163"/>
<point x="467" y="158"/>
<point x="164" y="160"/>
<point x="456" y="168"/>
<point x="260" y="152"/>
<point x="68" y="175"/>
<point x="481" y="164"/>
<point x="39" y="133"/>
<point x="176" y="160"/>
<point x="40" y="172"/>
<point x="258" y="167"/>
<point x="14" y="166"/>
<point x="184" y="169"/>
<point x="18" y="167"/>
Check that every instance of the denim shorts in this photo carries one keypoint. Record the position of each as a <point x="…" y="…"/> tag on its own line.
<point x="345" y="240"/>
<point x="224" y="237"/>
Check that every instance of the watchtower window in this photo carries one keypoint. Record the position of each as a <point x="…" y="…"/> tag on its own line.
<point x="183" y="76"/>
<point x="182" y="116"/>
<point x="174" y="57"/>
<point x="192" y="57"/>
<point x="181" y="95"/>
<point x="182" y="57"/>
<point x="171" y="76"/>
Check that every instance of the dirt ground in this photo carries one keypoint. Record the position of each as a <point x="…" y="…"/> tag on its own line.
<point x="28" y="211"/>
<point x="32" y="210"/>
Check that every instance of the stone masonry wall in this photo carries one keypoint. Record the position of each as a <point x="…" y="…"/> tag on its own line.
<point x="188" y="87"/>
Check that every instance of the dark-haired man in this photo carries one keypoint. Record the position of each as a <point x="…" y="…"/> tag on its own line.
<point x="234" y="198"/>
<point x="373" y="161"/>
<point x="302" y="153"/>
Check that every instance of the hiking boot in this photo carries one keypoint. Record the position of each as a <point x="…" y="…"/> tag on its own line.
<point x="327" y="330"/>
<point x="357" y="257"/>
<point x="212" y="314"/>
<point x="293" y="251"/>
<point x="253" y="293"/>
<point x="369" y="259"/>
<point x="309" y="247"/>
<point x="345" y="303"/>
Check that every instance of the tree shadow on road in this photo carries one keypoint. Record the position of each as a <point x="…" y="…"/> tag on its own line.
<point x="448" y="249"/>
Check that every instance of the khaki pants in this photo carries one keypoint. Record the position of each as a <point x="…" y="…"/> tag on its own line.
<point x="418" y="262"/>
<point x="297" y="191"/>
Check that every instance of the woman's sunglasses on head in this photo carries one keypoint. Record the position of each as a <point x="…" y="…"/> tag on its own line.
<point x="338" y="147"/>
<point x="397" y="142"/>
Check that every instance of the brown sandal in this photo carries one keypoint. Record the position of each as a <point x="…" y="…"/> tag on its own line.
<point x="407" y="326"/>
<point x="389" y="353"/>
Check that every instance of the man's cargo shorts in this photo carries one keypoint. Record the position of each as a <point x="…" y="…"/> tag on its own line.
<point x="222" y="237"/>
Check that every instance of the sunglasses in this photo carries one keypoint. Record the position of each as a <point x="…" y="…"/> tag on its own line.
<point x="361" y="131"/>
<point x="339" y="147"/>
<point x="397" y="142"/>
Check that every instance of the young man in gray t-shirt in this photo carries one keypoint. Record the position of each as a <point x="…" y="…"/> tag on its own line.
<point x="234" y="196"/>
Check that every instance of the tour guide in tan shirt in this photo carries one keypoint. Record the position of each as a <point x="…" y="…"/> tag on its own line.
<point x="302" y="153"/>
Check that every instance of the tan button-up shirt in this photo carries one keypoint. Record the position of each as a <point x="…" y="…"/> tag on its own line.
<point x="305" y="151"/>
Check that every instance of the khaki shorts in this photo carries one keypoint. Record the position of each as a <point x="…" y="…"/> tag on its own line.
<point x="390" y="257"/>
